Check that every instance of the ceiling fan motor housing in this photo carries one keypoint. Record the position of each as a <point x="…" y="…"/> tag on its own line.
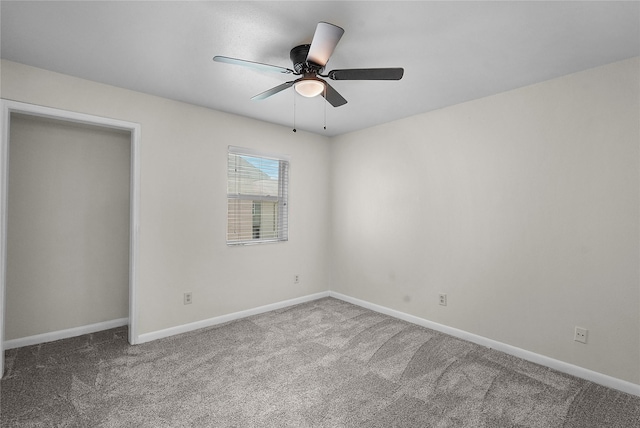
<point x="298" y="57"/>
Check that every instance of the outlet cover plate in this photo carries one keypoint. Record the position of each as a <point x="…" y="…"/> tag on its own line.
<point x="442" y="299"/>
<point x="581" y="335"/>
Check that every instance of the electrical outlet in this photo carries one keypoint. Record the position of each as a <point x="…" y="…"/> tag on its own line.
<point x="442" y="299"/>
<point x="296" y="279"/>
<point x="188" y="298"/>
<point x="580" y="335"/>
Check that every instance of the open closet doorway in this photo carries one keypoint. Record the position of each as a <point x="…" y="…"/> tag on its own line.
<point x="69" y="222"/>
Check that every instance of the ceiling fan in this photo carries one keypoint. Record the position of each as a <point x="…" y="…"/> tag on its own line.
<point x="309" y="62"/>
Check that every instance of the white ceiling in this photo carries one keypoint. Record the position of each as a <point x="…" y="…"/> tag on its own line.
<point x="451" y="51"/>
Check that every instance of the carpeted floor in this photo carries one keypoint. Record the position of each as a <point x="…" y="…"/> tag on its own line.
<point x="326" y="363"/>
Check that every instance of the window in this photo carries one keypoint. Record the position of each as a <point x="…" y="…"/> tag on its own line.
<point x="257" y="190"/>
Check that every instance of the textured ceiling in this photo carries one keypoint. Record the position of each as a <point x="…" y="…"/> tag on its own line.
<point x="451" y="51"/>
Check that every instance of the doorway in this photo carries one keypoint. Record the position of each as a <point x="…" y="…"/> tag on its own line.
<point x="86" y="266"/>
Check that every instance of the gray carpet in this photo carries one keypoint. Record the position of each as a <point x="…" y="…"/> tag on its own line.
<point x="326" y="363"/>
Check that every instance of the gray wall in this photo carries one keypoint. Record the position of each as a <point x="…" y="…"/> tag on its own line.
<point x="522" y="207"/>
<point x="68" y="226"/>
<point x="183" y="191"/>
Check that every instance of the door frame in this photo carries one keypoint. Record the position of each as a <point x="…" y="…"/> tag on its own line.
<point x="8" y="107"/>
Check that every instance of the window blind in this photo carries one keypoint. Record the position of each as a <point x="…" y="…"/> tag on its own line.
<point x="257" y="207"/>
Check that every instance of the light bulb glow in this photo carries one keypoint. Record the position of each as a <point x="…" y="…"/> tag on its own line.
<point x="309" y="87"/>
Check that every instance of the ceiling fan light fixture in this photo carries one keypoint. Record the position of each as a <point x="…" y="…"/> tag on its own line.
<point x="309" y="87"/>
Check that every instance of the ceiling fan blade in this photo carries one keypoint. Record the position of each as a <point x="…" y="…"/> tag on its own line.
<point x="324" y="42"/>
<point x="332" y="96"/>
<point x="254" y="65"/>
<point x="273" y="91"/>
<point x="367" y="74"/>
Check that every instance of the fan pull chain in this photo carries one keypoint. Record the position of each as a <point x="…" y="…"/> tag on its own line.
<point x="325" y="107"/>
<point x="294" y="111"/>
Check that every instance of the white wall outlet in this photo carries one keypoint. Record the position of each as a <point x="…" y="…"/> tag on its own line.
<point x="296" y="278"/>
<point x="580" y="335"/>
<point x="442" y="299"/>
<point x="188" y="298"/>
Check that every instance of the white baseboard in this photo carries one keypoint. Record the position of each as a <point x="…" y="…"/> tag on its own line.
<point x="148" y="337"/>
<point x="64" y="334"/>
<point x="561" y="366"/>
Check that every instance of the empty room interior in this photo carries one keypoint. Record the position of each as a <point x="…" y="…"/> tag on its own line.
<point x="467" y="176"/>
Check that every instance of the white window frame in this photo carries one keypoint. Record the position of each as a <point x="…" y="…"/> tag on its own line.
<point x="282" y="199"/>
